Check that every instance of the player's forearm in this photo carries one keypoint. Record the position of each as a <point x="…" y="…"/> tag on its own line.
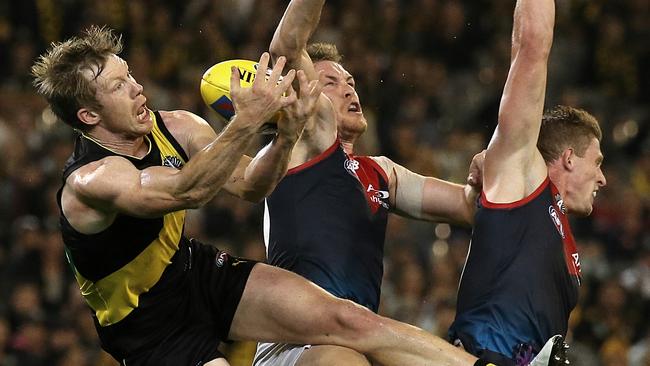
<point x="532" y="32"/>
<point x="446" y="201"/>
<point x="296" y="27"/>
<point x="267" y="168"/>
<point x="208" y="170"/>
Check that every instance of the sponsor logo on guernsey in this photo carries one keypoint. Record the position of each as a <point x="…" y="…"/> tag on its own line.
<point x="377" y="196"/>
<point x="560" y="203"/>
<point x="172" y="162"/>
<point x="555" y="217"/>
<point x="576" y="260"/>
<point x="351" y="166"/>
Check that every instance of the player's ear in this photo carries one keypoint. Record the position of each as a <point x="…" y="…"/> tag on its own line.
<point x="88" y="117"/>
<point x="568" y="158"/>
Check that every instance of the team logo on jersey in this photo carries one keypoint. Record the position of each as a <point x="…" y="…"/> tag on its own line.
<point x="220" y="259"/>
<point x="377" y="196"/>
<point x="351" y="166"/>
<point x="172" y="162"/>
<point x="560" y="203"/>
<point x="555" y="217"/>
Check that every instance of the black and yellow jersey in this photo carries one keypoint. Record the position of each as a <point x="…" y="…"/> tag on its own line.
<point x="118" y="266"/>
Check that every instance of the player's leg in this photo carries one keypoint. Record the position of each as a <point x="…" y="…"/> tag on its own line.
<point x="326" y="355"/>
<point x="280" y="306"/>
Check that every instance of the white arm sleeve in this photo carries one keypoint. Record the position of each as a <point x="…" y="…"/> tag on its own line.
<point x="406" y="188"/>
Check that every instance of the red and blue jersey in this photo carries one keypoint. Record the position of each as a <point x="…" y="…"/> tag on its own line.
<point x="521" y="277"/>
<point x="326" y="220"/>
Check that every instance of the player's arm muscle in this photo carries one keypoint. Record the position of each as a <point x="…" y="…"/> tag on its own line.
<point x="252" y="179"/>
<point x="512" y="154"/>
<point x="292" y="34"/>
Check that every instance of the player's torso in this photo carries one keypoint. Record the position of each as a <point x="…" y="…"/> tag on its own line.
<point x="326" y="220"/>
<point x="521" y="278"/>
<point x="114" y="267"/>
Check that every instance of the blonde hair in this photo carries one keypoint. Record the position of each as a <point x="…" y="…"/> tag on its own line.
<point x="59" y="73"/>
<point x="324" y="52"/>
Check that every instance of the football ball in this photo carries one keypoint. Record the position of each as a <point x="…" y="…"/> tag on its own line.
<point x="215" y="89"/>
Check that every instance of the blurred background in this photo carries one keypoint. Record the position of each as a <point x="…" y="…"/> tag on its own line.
<point x="429" y="74"/>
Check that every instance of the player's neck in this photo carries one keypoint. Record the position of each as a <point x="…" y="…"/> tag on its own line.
<point x="347" y="145"/>
<point x="558" y="177"/>
<point x="136" y="148"/>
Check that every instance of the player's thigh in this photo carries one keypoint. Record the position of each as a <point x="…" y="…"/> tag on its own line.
<point x="283" y="307"/>
<point x="331" y="355"/>
<point x="217" y="362"/>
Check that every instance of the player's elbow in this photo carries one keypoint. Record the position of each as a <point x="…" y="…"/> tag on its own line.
<point x="254" y="195"/>
<point x="289" y="48"/>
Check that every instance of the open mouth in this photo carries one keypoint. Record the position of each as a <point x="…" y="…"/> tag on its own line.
<point x="354" y="107"/>
<point x="143" y="113"/>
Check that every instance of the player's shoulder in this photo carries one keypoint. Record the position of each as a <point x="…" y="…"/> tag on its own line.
<point x="384" y="162"/>
<point x="180" y="117"/>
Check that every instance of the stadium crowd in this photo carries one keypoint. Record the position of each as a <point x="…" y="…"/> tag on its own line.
<point x="429" y="74"/>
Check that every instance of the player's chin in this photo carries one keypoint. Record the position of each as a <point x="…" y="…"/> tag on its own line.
<point x="356" y="122"/>
<point x="585" y="211"/>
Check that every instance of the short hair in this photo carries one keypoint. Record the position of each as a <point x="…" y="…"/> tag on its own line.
<point x="59" y="73"/>
<point x="324" y="52"/>
<point x="566" y="127"/>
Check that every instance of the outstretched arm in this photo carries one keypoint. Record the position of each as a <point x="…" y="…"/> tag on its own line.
<point x="514" y="168"/>
<point x="113" y="185"/>
<point x="255" y="179"/>
<point x="432" y="199"/>
<point x="292" y="34"/>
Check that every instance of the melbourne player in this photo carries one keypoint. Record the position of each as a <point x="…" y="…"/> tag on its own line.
<point x="522" y="274"/>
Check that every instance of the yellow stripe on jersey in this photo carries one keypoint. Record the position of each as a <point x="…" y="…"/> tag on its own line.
<point x="117" y="295"/>
<point x="167" y="150"/>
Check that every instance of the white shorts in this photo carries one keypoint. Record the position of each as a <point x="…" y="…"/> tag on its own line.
<point x="278" y="354"/>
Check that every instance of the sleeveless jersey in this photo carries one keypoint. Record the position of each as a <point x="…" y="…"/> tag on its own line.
<point x="118" y="266"/>
<point x="521" y="277"/>
<point x="326" y="220"/>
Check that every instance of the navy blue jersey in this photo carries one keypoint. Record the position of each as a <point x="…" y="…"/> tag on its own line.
<point x="521" y="278"/>
<point x="326" y="220"/>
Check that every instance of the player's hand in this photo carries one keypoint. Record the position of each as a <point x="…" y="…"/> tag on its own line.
<point x="475" y="176"/>
<point x="295" y="115"/>
<point x="257" y="104"/>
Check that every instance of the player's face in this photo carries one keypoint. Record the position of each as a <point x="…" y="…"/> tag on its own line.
<point x="585" y="180"/>
<point x="339" y="88"/>
<point x="124" y="111"/>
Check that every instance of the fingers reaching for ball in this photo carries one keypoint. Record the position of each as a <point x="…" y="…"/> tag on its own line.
<point x="267" y="95"/>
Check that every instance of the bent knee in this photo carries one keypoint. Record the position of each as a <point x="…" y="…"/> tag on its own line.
<point x="348" y="317"/>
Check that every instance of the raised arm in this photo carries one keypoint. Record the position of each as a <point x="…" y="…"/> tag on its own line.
<point x="513" y="165"/>
<point x="292" y="34"/>
<point x="255" y="179"/>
